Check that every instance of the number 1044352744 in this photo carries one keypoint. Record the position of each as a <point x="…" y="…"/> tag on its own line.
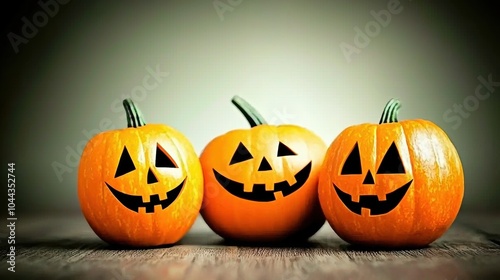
<point x="11" y="189"/>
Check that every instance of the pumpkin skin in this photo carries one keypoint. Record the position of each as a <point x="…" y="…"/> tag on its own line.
<point x="261" y="183"/>
<point x="412" y="165"/>
<point x="141" y="186"/>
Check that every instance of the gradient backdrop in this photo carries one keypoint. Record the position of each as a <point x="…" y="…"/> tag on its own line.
<point x="67" y="81"/>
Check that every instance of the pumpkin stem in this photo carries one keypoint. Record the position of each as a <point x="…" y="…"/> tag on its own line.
<point x="252" y="116"/>
<point x="391" y="110"/>
<point x="134" y="115"/>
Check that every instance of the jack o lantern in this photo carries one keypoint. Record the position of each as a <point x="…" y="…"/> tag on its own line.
<point x="261" y="183"/>
<point x="395" y="184"/>
<point x="140" y="186"/>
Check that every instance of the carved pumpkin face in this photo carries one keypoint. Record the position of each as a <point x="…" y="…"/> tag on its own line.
<point x="263" y="175"/>
<point x="395" y="184"/>
<point x="389" y="174"/>
<point x="261" y="183"/>
<point x="140" y="186"/>
<point x="163" y="194"/>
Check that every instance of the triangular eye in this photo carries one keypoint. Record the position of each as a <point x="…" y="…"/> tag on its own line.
<point x="125" y="165"/>
<point x="241" y="154"/>
<point x="391" y="163"/>
<point x="283" y="150"/>
<point x="352" y="164"/>
<point x="162" y="160"/>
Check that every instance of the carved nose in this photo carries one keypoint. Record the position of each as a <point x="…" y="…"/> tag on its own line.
<point x="264" y="165"/>
<point x="368" y="179"/>
<point x="151" y="177"/>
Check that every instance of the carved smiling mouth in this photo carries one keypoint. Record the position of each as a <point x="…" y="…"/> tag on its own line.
<point x="259" y="192"/>
<point x="372" y="203"/>
<point x="134" y="202"/>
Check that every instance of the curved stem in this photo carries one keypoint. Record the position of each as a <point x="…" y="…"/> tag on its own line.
<point x="253" y="117"/>
<point x="391" y="110"/>
<point x="134" y="115"/>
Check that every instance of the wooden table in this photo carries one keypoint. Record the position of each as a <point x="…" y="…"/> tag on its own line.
<point x="66" y="248"/>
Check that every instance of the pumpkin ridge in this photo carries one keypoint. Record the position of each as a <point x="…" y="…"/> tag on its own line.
<point x="82" y="173"/>
<point x="103" y="165"/>
<point x="180" y="164"/>
<point x="277" y="132"/>
<point x="416" y="180"/>
<point x="144" y="138"/>
<point x="347" y="135"/>
<point x="426" y="127"/>
<point x="371" y="130"/>
<point x="335" y="153"/>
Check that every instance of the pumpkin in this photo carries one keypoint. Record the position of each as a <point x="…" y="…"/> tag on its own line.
<point x="140" y="186"/>
<point x="261" y="183"/>
<point x="392" y="184"/>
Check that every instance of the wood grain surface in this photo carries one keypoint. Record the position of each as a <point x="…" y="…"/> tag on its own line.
<point x="66" y="248"/>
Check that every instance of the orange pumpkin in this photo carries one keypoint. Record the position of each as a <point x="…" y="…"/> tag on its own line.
<point x="261" y="183"/>
<point x="140" y="186"/>
<point x="395" y="184"/>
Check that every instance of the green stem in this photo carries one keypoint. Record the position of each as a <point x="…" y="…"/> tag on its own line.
<point x="134" y="115"/>
<point x="391" y="110"/>
<point x="253" y="117"/>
